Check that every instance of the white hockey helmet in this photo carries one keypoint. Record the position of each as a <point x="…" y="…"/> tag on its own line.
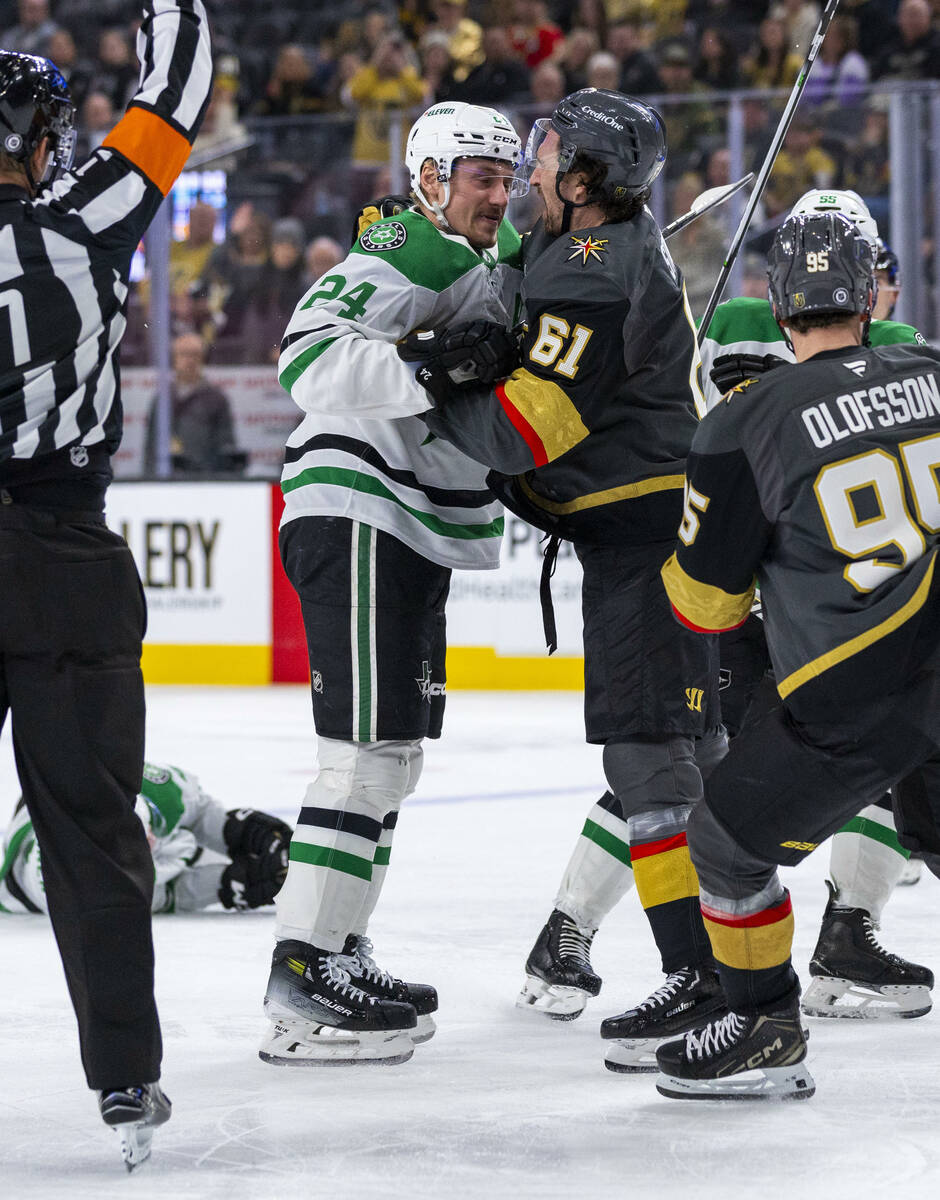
<point x="452" y="130"/>
<point x="849" y="204"/>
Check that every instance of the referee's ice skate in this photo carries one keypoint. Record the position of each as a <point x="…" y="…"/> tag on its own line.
<point x="320" y="1016"/>
<point x="133" y="1113"/>
<point x="559" y="976"/>
<point x="375" y="981"/>
<point x="854" y="976"/>
<point x="687" y="997"/>
<point x="739" y="1057"/>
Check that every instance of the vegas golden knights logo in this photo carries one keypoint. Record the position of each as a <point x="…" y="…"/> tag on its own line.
<point x="693" y="699"/>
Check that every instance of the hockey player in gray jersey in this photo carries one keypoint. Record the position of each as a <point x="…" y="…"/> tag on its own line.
<point x="377" y="514"/>
<point x="818" y="484"/>
<point x="203" y="854"/>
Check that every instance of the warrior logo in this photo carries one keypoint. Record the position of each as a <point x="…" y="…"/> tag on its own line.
<point x="693" y="699"/>
<point x="426" y="687"/>
<point x="388" y="235"/>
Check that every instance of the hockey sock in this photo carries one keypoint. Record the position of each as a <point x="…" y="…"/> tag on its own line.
<point x="866" y="860"/>
<point x="598" y="874"/>
<point x="752" y="939"/>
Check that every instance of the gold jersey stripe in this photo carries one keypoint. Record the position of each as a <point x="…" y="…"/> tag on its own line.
<point x="661" y="878"/>
<point x="702" y="604"/>
<point x="548" y="409"/>
<point x="855" y="645"/>
<point x="751" y="948"/>
<point x="626" y="491"/>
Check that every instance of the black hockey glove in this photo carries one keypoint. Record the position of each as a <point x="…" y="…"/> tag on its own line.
<point x="731" y="369"/>
<point x="249" y="833"/>
<point x="251" y="882"/>
<point x="378" y="210"/>
<point x="472" y="354"/>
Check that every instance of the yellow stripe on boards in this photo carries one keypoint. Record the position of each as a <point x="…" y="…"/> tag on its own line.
<point x="242" y="665"/>
<point x="481" y="668"/>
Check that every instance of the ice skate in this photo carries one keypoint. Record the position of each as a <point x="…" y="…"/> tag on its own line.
<point x="739" y="1057"/>
<point x="687" y="998"/>
<point x="854" y="976"/>
<point x="134" y="1113"/>
<point x="559" y="976"/>
<point x="319" y="1016"/>
<point x="370" y="977"/>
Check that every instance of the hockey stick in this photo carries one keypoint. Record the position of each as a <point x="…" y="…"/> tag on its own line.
<point x="767" y="165"/>
<point x="704" y="202"/>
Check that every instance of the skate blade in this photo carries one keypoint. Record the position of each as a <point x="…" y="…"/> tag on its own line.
<point x="764" y="1083"/>
<point x="633" y="1056"/>
<point x="851" y="1000"/>
<point x="424" y="1030"/>
<point x="322" y="1045"/>
<point x="136" y="1140"/>
<point x="551" y="1000"/>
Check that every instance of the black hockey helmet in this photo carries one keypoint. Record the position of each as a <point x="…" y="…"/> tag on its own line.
<point x="35" y="104"/>
<point x="886" y="260"/>
<point x="820" y="263"/>
<point x="626" y="135"/>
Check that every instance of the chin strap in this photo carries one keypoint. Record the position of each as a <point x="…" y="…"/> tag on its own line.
<point x="569" y="206"/>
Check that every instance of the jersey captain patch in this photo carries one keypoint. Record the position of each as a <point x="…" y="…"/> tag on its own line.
<point x="388" y="235"/>
<point x="588" y="247"/>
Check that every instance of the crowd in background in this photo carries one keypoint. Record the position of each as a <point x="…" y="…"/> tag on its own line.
<point x="305" y="94"/>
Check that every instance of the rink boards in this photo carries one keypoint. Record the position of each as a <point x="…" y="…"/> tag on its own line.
<point x="220" y="609"/>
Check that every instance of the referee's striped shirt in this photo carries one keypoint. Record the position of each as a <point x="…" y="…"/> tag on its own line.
<point x="65" y="260"/>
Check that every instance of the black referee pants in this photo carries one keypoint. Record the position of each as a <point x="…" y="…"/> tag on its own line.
<point x="72" y="617"/>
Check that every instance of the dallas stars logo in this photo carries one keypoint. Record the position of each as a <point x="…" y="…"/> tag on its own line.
<point x="588" y="248"/>
<point x="425" y="686"/>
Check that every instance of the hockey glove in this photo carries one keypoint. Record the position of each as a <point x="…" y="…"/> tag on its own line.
<point x="731" y="369"/>
<point x="472" y="354"/>
<point x="378" y="210"/>
<point x="251" y="882"/>
<point x="249" y="833"/>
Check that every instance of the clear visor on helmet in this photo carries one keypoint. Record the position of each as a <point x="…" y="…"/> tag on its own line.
<point x="484" y="172"/>
<point x="64" y="134"/>
<point x="535" y="156"/>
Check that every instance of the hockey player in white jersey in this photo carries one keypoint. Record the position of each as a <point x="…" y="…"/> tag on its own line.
<point x="377" y="514"/>
<point x="853" y="975"/>
<point x="203" y="853"/>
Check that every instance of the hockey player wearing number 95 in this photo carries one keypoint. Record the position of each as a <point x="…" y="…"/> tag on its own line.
<point x="377" y="515"/>
<point x="72" y="612"/>
<point x="817" y="483"/>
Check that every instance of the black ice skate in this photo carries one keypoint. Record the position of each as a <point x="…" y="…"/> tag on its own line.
<point x="559" y="976"/>
<point x="687" y="998"/>
<point x="134" y="1113"/>
<point x="739" y="1057"/>
<point x="318" y="1015"/>
<point x="370" y="977"/>
<point x="854" y="976"/>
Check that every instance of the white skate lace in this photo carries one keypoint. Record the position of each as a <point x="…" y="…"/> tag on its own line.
<point x="369" y="967"/>
<point x="337" y="970"/>
<point x="574" y="942"/>
<point x="672" y="985"/>
<point x="716" y="1036"/>
<point x="869" y="927"/>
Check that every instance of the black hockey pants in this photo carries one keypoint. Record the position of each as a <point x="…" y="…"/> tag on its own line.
<point x="72" y="618"/>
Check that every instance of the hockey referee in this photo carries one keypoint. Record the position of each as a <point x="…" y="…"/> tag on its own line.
<point x="72" y="613"/>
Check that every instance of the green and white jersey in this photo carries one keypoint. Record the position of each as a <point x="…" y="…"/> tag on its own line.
<point x="746" y="325"/>
<point x="361" y="450"/>
<point x="180" y="821"/>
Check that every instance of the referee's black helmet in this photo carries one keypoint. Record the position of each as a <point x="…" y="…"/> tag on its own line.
<point x="35" y="104"/>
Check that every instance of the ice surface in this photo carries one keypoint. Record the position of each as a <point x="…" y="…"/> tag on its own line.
<point x="499" y="1103"/>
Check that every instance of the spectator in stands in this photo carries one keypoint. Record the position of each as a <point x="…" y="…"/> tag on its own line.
<point x="221" y="127"/>
<point x="437" y="66"/>
<point x="603" y="71"/>
<point x="275" y="296"/>
<point x="466" y="36"/>
<point x="116" y="69"/>
<point x="375" y="26"/>
<point x="202" y="433"/>
<point x="189" y="258"/>
<point x="294" y="88"/>
<point x="577" y="48"/>
<point x="914" y="50"/>
<point x="534" y="36"/>
<point x="500" y="78"/>
<point x="840" y="76"/>
<point x="233" y="274"/>
<point x="800" y="19"/>
<point x="591" y="15"/>
<point x="547" y="85"/>
<point x="321" y="256"/>
<point x="32" y="32"/>
<point x="875" y="24"/>
<point x="699" y="249"/>
<point x="388" y="83"/>
<point x="75" y="70"/>
<point x="867" y="162"/>
<point x="771" y="63"/>
<point x="638" y="72"/>
<point x="716" y="66"/>
<point x="687" y="121"/>
<point x="96" y="121"/>
<point x="801" y="165"/>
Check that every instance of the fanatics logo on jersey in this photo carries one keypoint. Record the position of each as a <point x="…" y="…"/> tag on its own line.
<point x="588" y="248"/>
<point x="388" y="235"/>
<point x="859" y="367"/>
<point x="425" y="686"/>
